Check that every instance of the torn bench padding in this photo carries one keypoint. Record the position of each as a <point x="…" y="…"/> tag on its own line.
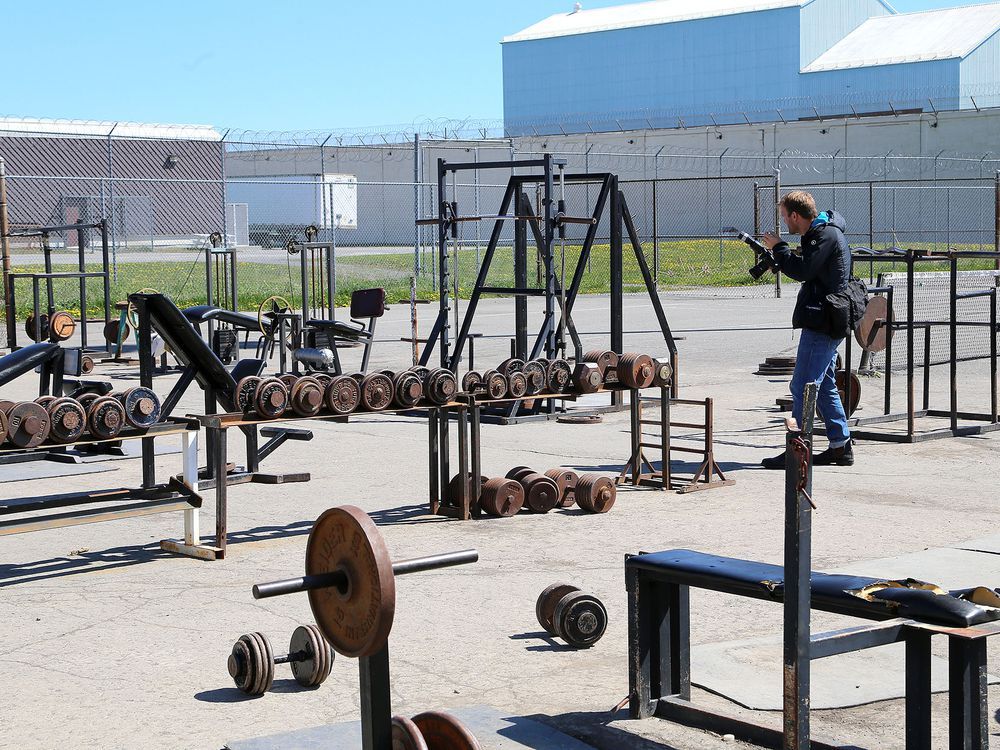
<point x="858" y="596"/>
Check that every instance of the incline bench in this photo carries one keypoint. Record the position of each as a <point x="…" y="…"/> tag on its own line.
<point x="658" y="587"/>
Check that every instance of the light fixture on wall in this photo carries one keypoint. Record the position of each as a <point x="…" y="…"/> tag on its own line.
<point x="171" y="161"/>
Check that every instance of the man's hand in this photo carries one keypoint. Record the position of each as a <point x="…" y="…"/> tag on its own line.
<point x="770" y="239"/>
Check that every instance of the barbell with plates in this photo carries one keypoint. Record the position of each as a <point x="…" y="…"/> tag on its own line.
<point x="440" y="386"/>
<point x="595" y="493"/>
<point x="343" y="395"/>
<point x="350" y="580"/>
<point x="407" y="389"/>
<point x="142" y="406"/>
<point x="501" y="497"/>
<point x="251" y="662"/>
<point x="376" y="391"/>
<point x="565" y="611"/>
<point x="565" y="480"/>
<point x="27" y="423"/>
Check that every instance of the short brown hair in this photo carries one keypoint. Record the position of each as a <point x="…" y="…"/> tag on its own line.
<point x="801" y="203"/>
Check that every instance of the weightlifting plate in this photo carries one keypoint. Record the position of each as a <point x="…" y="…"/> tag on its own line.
<point x="508" y="366"/>
<point x="873" y="330"/>
<point x="306" y="397"/>
<point x="110" y="332"/>
<point x="565" y="480"/>
<point x="518" y="471"/>
<point x="441" y="386"/>
<point x="545" y="605"/>
<point x="580" y="619"/>
<point x="540" y="493"/>
<point x="456" y="489"/>
<point x="496" y="384"/>
<point x="246" y="390"/>
<point x="87" y="399"/>
<point x="6" y="406"/>
<point x="421" y="372"/>
<point x="343" y="395"/>
<point x="356" y="619"/>
<point x="502" y="497"/>
<point x="389" y="374"/>
<point x="323" y="379"/>
<point x="27" y="424"/>
<point x="559" y="375"/>
<point x="256" y="671"/>
<point x="376" y="392"/>
<point x="288" y="379"/>
<point x="29" y="327"/>
<point x="271" y="399"/>
<point x="67" y="420"/>
<point x="314" y="668"/>
<point x="535" y="375"/>
<point x="3" y="426"/>
<point x="44" y="401"/>
<point x="142" y="406"/>
<point x="636" y="370"/>
<point x="86" y="365"/>
<point x="407" y="389"/>
<point x="105" y="417"/>
<point x="517" y="384"/>
<point x="605" y="360"/>
<point x="595" y="493"/>
<point x="61" y="326"/>
<point x="443" y="731"/>
<point x="358" y="376"/>
<point x="663" y="372"/>
<point x="267" y="672"/>
<point x="472" y="382"/>
<point x="841" y="379"/>
<point x="405" y="735"/>
<point x="240" y="666"/>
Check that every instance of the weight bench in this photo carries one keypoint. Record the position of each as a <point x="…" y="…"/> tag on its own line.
<point x="238" y="321"/>
<point x="658" y="586"/>
<point x="367" y="306"/>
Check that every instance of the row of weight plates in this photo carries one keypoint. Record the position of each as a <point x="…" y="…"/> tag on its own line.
<point x="63" y="420"/>
<point x="523" y="487"/>
<point x="514" y="378"/>
<point x="309" y="395"/>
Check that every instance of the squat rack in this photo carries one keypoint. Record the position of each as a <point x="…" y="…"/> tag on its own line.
<point x="545" y="228"/>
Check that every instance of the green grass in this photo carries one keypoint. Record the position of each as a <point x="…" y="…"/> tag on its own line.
<point x="682" y="264"/>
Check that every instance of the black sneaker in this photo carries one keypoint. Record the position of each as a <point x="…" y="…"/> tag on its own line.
<point x="843" y="456"/>
<point x="777" y="462"/>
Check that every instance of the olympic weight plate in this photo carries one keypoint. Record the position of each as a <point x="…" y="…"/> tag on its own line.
<point x="246" y="390"/>
<point x="496" y="384"/>
<point x="271" y="399"/>
<point x="142" y="407"/>
<point x="306" y="397"/>
<point x="636" y="370"/>
<point x="376" y="392"/>
<point x="472" y="382"/>
<point x="874" y="328"/>
<point x="580" y="619"/>
<point x="565" y="480"/>
<point x="517" y="384"/>
<point x="502" y="497"/>
<point x="61" y="326"/>
<point x="545" y="605"/>
<point x="67" y="420"/>
<point x="441" y="386"/>
<point x="595" y="493"/>
<point x="355" y="618"/>
<point x="313" y="656"/>
<point x="513" y="364"/>
<point x="443" y="731"/>
<point x="535" y="375"/>
<point x="27" y="424"/>
<point x="343" y="395"/>
<point x="559" y="375"/>
<point x="407" y="389"/>
<point x="406" y="736"/>
<point x="105" y="418"/>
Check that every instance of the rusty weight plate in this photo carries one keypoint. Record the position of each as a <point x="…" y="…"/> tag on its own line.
<point x="663" y="372"/>
<point x="314" y="656"/>
<point x="636" y="370"/>
<point x="580" y="619"/>
<point x="343" y="395"/>
<point x="472" y="382"/>
<point x="502" y="497"/>
<point x="559" y="375"/>
<point x="443" y="731"/>
<point x="376" y="392"/>
<point x="605" y="359"/>
<point x="496" y="384"/>
<point x="27" y="424"/>
<point x="306" y="397"/>
<point x="587" y="377"/>
<point x="517" y="384"/>
<point x="841" y="379"/>
<point x="29" y="327"/>
<point x="288" y="379"/>
<point x="535" y="375"/>
<point x="61" y="326"/>
<point x="441" y="386"/>
<point x="246" y="391"/>
<point x="3" y="426"/>
<point x="44" y="401"/>
<point x="545" y="605"/>
<point x="595" y="493"/>
<point x="512" y="364"/>
<point x="407" y="389"/>
<point x="105" y="417"/>
<point x="456" y="489"/>
<point x="142" y="406"/>
<point x="357" y="617"/>
<point x="420" y="371"/>
<point x="271" y="399"/>
<point x="565" y="480"/>
<point x="541" y="494"/>
<point x="110" y="332"/>
<point x="405" y="735"/>
<point x="86" y="364"/>
<point x="67" y="420"/>
<point x="874" y="329"/>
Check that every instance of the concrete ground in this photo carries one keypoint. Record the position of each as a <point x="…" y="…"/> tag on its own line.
<point x="105" y="642"/>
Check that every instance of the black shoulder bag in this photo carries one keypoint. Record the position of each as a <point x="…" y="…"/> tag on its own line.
<point x="845" y="308"/>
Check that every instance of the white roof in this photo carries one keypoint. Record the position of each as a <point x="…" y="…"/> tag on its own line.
<point x="912" y="37"/>
<point x="36" y="126"/>
<point x="642" y="14"/>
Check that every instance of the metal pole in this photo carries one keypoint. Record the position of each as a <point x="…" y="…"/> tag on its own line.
<point x="996" y="218"/>
<point x="953" y="341"/>
<point x="777" y="224"/>
<point x="871" y="215"/>
<point x="81" y="249"/>
<point x="656" y="243"/>
<point x="416" y="205"/>
<point x="8" y="282"/>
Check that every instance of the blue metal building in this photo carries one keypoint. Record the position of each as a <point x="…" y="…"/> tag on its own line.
<point x="683" y="63"/>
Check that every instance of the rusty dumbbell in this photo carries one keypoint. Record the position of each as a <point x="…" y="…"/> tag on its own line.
<point x="142" y="406"/>
<point x="541" y="494"/>
<point x="343" y="394"/>
<point x="67" y="419"/>
<point x="456" y="489"/>
<point x="26" y="424"/>
<point x="440" y="386"/>
<point x="565" y="611"/>
<point x="105" y="415"/>
<point x="376" y="391"/>
<point x="636" y="370"/>
<point x="565" y="480"/>
<point x="407" y="389"/>
<point x="501" y="497"/>
<point x="595" y="493"/>
<point x="306" y="396"/>
<point x="606" y="361"/>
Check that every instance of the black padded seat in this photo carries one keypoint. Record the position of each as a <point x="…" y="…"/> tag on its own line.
<point x="200" y="313"/>
<point x="339" y="327"/>
<point x="858" y="596"/>
<point x="25" y="360"/>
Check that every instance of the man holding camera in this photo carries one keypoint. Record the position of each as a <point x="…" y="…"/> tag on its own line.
<point x="823" y="267"/>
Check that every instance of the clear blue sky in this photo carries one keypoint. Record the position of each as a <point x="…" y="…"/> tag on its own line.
<point x="300" y="64"/>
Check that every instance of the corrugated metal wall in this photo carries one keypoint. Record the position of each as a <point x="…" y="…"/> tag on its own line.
<point x="873" y="89"/>
<point x="826" y="22"/>
<point x="979" y="74"/>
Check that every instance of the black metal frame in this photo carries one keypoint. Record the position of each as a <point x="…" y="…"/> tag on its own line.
<point x="990" y="421"/>
<point x="81" y="274"/>
<point x="545" y="229"/>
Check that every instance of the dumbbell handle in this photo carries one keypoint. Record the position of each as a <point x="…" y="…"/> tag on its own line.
<point x="338" y="577"/>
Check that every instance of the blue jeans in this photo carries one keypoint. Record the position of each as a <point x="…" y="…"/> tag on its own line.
<point x="816" y="362"/>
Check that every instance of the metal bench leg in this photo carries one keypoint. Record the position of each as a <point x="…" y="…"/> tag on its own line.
<point x="968" y="716"/>
<point x="918" y="691"/>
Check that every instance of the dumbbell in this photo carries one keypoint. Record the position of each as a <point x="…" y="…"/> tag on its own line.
<point x="105" y="415"/>
<point x="501" y="497"/>
<point x="517" y="384"/>
<point x="541" y="494"/>
<point x="251" y="662"/>
<point x="472" y="382"/>
<point x="456" y="489"/>
<point x="67" y="418"/>
<point x="26" y="424"/>
<point x="343" y="394"/>
<point x="511" y="365"/>
<point x="587" y="377"/>
<point x="142" y="406"/>
<point x="565" y="480"/>
<point x="606" y="361"/>
<point x="535" y="376"/>
<point x="496" y="384"/>
<point x="567" y="612"/>
<point x="559" y="375"/>
<point x="595" y="493"/>
<point x="266" y="396"/>
<point x="306" y="396"/>
<point x="407" y="389"/>
<point x="59" y="327"/>
<point x="440" y="386"/>
<point x="636" y="370"/>
<point x="377" y="391"/>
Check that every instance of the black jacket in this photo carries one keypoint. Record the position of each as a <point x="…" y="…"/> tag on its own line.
<point x="823" y="267"/>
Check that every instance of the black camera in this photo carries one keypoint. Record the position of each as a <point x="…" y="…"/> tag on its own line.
<point x="765" y="260"/>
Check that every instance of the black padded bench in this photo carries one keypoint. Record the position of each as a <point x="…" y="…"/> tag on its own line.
<point x="658" y="586"/>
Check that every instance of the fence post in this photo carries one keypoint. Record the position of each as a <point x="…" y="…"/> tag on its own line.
<point x="656" y="242"/>
<point x="871" y="214"/>
<point x="756" y="210"/>
<point x="416" y="204"/>
<point x="996" y="217"/>
<point x="777" y="224"/>
<point x="8" y="282"/>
